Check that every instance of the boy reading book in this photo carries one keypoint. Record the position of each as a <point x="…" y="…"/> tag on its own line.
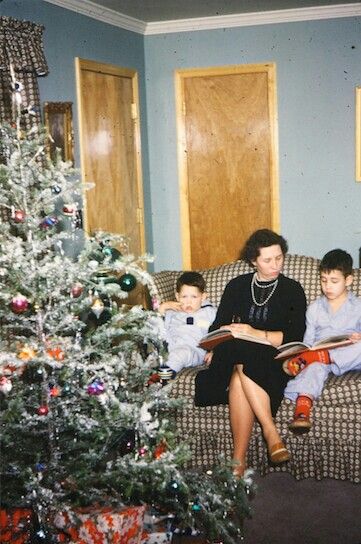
<point x="186" y="321"/>
<point x="336" y="312"/>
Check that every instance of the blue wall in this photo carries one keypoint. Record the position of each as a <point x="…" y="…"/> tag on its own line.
<point x="68" y="35"/>
<point x="318" y="67"/>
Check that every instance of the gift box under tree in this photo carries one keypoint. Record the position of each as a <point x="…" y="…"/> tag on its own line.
<point x="101" y="525"/>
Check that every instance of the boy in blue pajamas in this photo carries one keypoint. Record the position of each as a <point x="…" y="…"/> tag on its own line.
<point x="338" y="311"/>
<point x="186" y="321"/>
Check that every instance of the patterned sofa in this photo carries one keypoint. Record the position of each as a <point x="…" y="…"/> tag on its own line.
<point x="330" y="450"/>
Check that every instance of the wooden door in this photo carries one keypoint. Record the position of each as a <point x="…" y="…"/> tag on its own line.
<point x="110" y="150"/>
<point x="228" y="169"/>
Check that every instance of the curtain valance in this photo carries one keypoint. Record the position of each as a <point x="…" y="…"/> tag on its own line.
<point x="21" y="47"/>
<point x="21" y="44"/>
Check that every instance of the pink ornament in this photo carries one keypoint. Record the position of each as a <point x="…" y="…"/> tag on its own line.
<point x="76" y="290"/>
<point x="19" y="304"/>
<point x="43" y="410"/>
<point x="19" y="216"/>
<point x="5" y="385"/>
<point x="142" y="451"/>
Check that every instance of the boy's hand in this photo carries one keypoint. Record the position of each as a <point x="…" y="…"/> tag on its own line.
<point x="169" y="305"/>
<point x="355" y="337"/>
<point x="208" y="358"/>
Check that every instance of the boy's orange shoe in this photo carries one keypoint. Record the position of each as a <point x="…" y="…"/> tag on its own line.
<point x="293" y="366"/>
<point x="301" y="422"/>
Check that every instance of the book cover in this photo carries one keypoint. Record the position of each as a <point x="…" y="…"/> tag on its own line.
<point x="212" y="339"/>
<point x="292" y="349"/>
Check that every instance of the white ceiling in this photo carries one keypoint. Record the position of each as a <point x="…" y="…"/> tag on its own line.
<point x="165" y="10"/>
<point x="164" y="16"/>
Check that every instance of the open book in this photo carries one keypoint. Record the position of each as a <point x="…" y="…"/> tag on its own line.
<point x="294" y="348"/>
<point x="212" y="339"/>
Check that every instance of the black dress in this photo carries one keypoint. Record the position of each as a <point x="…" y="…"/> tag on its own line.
<point x="284" y="311"/>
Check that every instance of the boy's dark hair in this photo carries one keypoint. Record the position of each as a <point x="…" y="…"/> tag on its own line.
<point x="337" y="259"/>
<point x="193" y="279"/>
<point x="259" y="239"/>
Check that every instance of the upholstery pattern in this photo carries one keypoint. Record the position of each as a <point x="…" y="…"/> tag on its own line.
<point x="330" y="450"/>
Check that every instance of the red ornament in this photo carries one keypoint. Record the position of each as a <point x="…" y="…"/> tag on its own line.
<point x="18" y="216"/>
<point x="54" y="391"/>
<point x="153" y="378"/>
<point x="160" y="449"/>
<point x="56" y="353"/>
<point x="19" y="304"/>
<point x="69" y="209"/>
<point x="43" y="410"/>
<point x="76" y="290"/>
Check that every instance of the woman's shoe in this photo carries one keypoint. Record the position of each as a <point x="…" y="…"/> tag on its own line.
<point x="278" y="453"/>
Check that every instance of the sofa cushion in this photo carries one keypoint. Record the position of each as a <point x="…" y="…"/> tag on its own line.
<point x="302" y="269"/>
<point x="331" y="448"/>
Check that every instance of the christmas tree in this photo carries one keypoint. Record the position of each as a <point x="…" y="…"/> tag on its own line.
<point x="83" y="421"/>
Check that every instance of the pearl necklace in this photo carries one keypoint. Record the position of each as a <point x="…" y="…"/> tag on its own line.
<point x="255" y="282"/>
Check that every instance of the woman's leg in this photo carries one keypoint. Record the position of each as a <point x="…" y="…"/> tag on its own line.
<point x="241" y="419"/>
<point x="260" y="405"/>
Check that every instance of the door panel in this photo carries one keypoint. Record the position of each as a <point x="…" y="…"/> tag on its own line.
<point x="110" y="150"/>
<point x="227" y="150"/>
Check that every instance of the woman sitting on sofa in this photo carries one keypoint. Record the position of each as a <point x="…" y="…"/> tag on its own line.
<point x="270" y="307"/>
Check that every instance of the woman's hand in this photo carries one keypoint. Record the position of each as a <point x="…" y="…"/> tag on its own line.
<point x="243" y="328"/>
<point x="208" y="358"/>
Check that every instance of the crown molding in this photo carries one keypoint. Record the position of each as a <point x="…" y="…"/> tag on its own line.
<point x="109" y="16"/>
<point x="106" y="15"/>
<point x="255" y="18"/>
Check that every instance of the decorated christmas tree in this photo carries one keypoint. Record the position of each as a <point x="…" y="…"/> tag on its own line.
<point x="84" y="420"/>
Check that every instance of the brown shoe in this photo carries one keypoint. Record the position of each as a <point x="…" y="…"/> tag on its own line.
<point x="301" y="424"/>
<point x="278" y="453"/>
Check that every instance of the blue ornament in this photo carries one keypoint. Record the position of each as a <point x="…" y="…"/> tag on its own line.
<point x="48" y="222"/>
<point x="56" y="189"/>
<point x="111" y="252"/>
<point x="66" y="390"/>
<point x="127" y="282"/>
<point x="40" y="467"/>
<point x="96" y="388"/>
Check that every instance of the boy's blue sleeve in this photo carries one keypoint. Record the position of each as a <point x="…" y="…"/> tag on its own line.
<point x="311" y="324"/>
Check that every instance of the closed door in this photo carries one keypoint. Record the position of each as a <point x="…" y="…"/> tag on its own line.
<point x="110" y="150"/>
<point x="227" y="142"/>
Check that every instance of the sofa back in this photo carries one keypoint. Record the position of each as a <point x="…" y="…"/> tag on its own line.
<point x="300" y="268"/>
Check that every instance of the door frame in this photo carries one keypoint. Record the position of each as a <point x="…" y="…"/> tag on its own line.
<point x="84" y="64"/>
<point x="180" y="76"/>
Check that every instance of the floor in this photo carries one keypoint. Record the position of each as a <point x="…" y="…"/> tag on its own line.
<point x="287" y="511"/>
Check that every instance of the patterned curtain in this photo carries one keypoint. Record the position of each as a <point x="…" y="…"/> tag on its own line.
<point x="21" y="51"/>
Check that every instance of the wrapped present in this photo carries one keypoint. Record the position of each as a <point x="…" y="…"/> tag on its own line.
<point x="102" y="525"/>
<point x="158" y="527"/>
<point x="158" y="538"/>
<point x="15" y="525"/>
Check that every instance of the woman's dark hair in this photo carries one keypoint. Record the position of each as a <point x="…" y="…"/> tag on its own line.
<point x="259" y="239"/>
